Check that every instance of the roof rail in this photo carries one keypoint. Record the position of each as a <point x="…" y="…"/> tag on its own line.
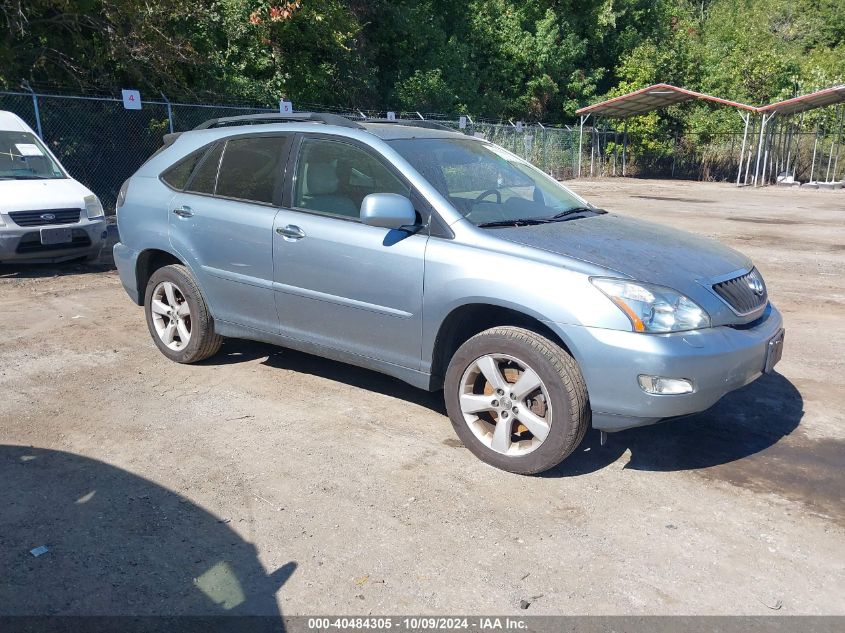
<point x="430" y="125"/>
<point x="251" y="119"/>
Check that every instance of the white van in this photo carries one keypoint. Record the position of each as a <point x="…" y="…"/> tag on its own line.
<point x="45" y="215"/>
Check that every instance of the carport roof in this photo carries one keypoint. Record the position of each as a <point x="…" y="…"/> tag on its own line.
<point x="653" y="98"/>
<point x="818" y="99"/>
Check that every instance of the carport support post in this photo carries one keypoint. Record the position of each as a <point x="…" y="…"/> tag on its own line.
<point x="815" y="144"/>
<point x="833" y="144"/>
<point x="624" y="146"/>
<point x="769" y="153"/>
<point x="584" y="118"/>
<point x="763" y="121"/>
<point x="838" y="141"/>
<point x="746" y="118"/>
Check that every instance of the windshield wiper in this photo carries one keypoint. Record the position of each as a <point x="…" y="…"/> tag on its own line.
<point x="575" y="210"/>
<point x="563" y="215"/>
<point x="29" y="177"/>
<point x="517" y="222"/>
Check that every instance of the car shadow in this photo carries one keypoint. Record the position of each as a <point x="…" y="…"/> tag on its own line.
<point x="743" y="423"/>
<point x="23" y="270"/>
<point x="240" y="351"/>
<point x="119" y="544"/>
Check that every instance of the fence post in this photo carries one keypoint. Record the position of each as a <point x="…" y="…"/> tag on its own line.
<point x="35" y="108"/>
<point x="169" y="111"/>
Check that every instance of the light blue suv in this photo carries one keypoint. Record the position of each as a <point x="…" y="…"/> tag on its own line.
<point x="447" y="262"/>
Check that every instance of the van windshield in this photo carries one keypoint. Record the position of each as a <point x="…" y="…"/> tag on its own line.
<point x="23" y="157"/>
<point x="488" y="185"/>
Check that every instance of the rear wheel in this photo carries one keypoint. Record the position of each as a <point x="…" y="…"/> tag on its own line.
<point x="516" y="399"/>
<point x="178" y="317"/>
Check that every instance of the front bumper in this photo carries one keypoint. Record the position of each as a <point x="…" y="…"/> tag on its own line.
<point x="717" y="360"/>
<point x="22" y="244"/>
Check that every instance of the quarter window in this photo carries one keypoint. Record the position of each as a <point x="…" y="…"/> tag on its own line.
<point x="177" y="176"/>
<point x="205" y="176"/>
<point x="251" y="168"/>
<point x="334" y="177"/>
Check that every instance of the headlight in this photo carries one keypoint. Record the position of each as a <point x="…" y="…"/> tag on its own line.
<point x="653" y="308"/>
<point x="93" y="207"/>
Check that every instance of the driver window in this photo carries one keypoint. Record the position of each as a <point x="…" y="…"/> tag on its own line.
<point x="334" y="177"/>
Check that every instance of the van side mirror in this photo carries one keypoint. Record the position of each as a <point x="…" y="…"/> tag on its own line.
<point x="388" y="211"/>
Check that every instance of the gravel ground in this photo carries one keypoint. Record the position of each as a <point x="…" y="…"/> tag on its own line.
<point x="267" y="481"/>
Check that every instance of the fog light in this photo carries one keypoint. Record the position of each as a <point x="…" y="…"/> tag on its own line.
<point x="664" y="386"/>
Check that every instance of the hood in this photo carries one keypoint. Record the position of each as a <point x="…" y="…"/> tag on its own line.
<point x="641" y="250"/>
<point x="35" y="195"/>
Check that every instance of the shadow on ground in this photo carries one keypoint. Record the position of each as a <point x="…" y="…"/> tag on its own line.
<point x="118" y="545"/>
<point x="741" y="440"/>
<point x="241" y="351"/>
<point x="743" y="423"/>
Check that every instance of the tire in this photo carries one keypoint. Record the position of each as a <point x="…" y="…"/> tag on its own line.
<point x="196" y="321"/>
<point x="561" y="398"/>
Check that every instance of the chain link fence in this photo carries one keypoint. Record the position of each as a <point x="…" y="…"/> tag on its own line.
<point x="101" y="143"/>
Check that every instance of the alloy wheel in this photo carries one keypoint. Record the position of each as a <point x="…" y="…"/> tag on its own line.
<point x="505" y="404"/>
<point x="171" y="315"/>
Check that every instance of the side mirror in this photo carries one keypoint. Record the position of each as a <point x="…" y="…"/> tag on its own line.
<point x="388" y="211"/>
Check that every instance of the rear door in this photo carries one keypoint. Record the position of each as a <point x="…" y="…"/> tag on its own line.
<point x="223" y="223"/>
<point x="338" y="282"/>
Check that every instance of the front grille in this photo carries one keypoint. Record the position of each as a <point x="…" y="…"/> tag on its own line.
<point x="745" y="294"/>
<point x="31" y="243"/>
<point x="37" y="218"/>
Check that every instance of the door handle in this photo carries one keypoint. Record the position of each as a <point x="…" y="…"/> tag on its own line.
<point x="291" y="232"/>
<point x="183" y="212"/>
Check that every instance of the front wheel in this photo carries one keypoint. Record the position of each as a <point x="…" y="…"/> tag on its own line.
<point x="178" y="317"/>
<point x="516" y="399"/>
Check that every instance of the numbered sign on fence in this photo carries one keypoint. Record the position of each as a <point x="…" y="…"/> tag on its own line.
<point x="391" y="116"/>
<point x="131" y="99"/>
<point x="285" y="107"/>
<point x="462" y="122"/>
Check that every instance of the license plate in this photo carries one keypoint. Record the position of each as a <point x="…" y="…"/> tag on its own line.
<point x="56" y="236"/>
<point x="774" y="351"/>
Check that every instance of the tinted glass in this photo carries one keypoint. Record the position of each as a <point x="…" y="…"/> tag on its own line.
<point x="251" y="168"/>
<point x="23" y="157"/>
<point x="205" y="176"/>
<point x="484" y="182"/>
<point x="177" y="176"/>
<point x="334" y="177"/>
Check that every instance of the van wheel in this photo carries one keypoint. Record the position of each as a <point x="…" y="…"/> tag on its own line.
<point x="178" y="317"/>
<point x="516" y="399"/>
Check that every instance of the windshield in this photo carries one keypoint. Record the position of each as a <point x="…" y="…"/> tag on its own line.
<point x="485" y="183"/>
<point x="23" y="157"/>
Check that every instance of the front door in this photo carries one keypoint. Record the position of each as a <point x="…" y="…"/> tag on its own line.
<point x="339" y="283"/>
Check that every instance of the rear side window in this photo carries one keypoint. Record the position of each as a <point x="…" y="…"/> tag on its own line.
<point x="177" y="176"/>
<point x="205" y="176"/>
<point x="251" y="168"/>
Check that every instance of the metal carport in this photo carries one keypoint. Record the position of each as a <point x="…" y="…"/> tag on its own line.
<point x="646" y="100"/>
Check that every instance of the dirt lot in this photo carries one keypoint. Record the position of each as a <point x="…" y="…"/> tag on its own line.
<point x="265" y="480"/>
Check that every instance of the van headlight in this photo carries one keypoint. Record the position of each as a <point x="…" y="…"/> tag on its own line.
<point x="651" y="308"/>
<point x="93" y="207"/>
